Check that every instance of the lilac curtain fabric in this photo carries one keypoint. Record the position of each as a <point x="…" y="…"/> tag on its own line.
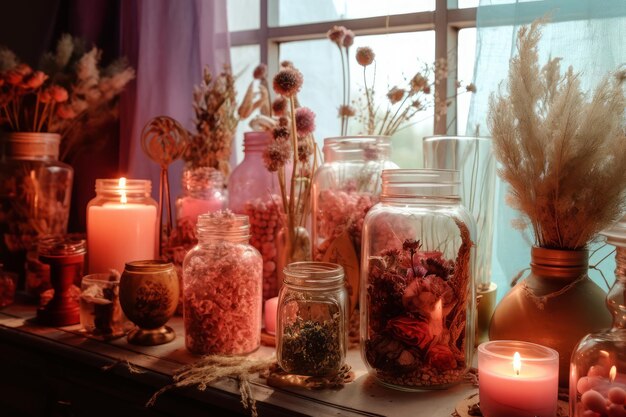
<point x="168" y="43"/>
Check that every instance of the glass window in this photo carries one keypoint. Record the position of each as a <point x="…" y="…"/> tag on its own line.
<point x="463" y="4"/>
<point x="398" y="57"/>
<point x="243" y="60"/>
<point x="291" y="12"/>
<point x="243" y="14"/>
<point x="465" y="58"/>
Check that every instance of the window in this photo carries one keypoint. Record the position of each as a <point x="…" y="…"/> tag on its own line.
<point x="405" y="35"/>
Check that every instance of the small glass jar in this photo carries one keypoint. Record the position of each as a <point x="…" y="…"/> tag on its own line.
<point x="255" y="193"/>
<point x="100" y="312"/>
<point x="121" y="224"/>
<point x="222" y="287"/>
<point x="598" y="368"/>
<point x="311" y="319"/>
<point x="203" y="192"/>
<point x="417" y="290"/>
<point x="35" y="194"/>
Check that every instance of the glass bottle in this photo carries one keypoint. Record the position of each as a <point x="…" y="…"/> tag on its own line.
<point x="417" y="289"/>
<point x="345" y="187"/>
<point x="254" y="191"/>
<point x="121" y="224"/>
<point x="35" y="194"/>
<point x="598" y="364"/>
<point x="202" y="192"/>
<point x="311" y="319"/>
<point x="222" y="287"/>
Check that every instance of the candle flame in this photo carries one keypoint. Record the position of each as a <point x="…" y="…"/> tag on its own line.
<point x="122" y="186"/>
<point x="517" y="363"/>
<point x="612" y="373"/>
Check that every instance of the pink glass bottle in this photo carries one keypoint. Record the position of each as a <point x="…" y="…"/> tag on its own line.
<point x="254" y="191"/>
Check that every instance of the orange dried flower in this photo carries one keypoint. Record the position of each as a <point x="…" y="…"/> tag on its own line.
<point x="58" y="93"/>
<point x="395" y="95"/>
<point x="365" y="55"/>
<point x="288" y="82"/>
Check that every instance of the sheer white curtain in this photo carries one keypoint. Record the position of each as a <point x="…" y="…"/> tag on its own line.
<point x="589" y="35"/>
<point x="168" y="42"/>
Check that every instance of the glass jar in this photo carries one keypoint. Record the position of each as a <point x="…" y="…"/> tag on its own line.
<point x="202" y="192"/>
<point x="417" y="289"/>
<point x="121" y="224"/>
<point x="222" y="287"/>
<point x="598" y="368"/>
<point x="255" y="193"/>
<point x="100" y="312"/>
<point x="345" y="187"/>
<point x="35" y="194"/>
<point x="312" y="319"/>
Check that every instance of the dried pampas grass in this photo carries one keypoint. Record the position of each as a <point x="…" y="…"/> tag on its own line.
<point x="562" y="152"/>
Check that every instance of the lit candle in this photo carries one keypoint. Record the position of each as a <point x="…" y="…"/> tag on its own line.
<point x="517" y="379"/>
<point x="271" y="305"/>
<point x="121" y="224"/>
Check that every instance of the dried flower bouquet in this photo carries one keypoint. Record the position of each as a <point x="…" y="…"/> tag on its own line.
<point x="562" y="152"/>
<point x="70" y="95"/>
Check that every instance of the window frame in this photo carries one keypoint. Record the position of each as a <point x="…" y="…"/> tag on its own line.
<point x="446" y="21"/>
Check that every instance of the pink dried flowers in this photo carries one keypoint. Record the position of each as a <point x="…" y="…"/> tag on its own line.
<point x="305" y="121"/>
<point x="288" y="82"/>
<point x="343" y="38"/>
<point x="365" y="56"/>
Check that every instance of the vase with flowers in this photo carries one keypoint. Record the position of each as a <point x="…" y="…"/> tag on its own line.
<point x="564" y="157"/>
<point x="292" y="155"/>
<point x="44" y="115"/>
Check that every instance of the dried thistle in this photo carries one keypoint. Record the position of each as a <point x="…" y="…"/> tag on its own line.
<point x="562" y="152"/>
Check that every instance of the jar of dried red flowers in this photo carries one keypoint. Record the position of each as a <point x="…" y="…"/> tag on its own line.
<point x="417" y="289"/>
<point x="345" y="187"/>
<point x="311" y="319"/>
<point x="222" y="287"/>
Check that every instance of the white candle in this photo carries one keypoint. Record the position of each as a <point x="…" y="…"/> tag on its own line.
<point x="526" y="387"/>
<point x="120" y="230"/>
<point x="271" y="305"/>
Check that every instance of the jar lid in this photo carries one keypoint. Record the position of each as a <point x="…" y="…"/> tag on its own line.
<point x="318" y="275"/>
<point x="30" y="145"/>
<point x="616" y="234"/>
<point x="223" y="224"/>
<point x="123" y="185"/>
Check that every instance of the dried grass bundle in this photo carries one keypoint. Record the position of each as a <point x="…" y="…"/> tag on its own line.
<point x="562" y="152"/>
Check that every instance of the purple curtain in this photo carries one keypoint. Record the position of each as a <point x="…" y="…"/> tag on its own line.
<point x="168" y="43"/>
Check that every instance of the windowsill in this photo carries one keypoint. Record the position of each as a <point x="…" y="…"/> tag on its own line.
<point x="67" y="347"/>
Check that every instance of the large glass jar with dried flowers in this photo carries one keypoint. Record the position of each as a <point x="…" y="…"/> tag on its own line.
<point x="311" y="319"/>
<point x="222" y="287"/>
<point x="417" y="289"/>
<point x="344" y="188"/>
<point x="35" y="192"/>
<point x="598" y="368"/>
<point x="255" y="193"/>
<point x="202" y="192"/>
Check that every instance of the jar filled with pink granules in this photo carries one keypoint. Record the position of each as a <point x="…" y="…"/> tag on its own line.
<point x="222" y="287"/>
<point x="345" y="187"/>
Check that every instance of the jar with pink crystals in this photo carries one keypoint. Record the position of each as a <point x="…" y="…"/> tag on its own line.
<point x="254" y="191"/>
<point x="222" y="287"/>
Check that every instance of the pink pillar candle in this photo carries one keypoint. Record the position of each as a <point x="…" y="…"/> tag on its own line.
<point x="121" y="225"/>
<point x="271" y="305"/>
<point x="517" y="379"/>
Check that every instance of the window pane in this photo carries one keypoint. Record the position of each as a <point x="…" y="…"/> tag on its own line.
<point x="398" y="57"/>
<point x="466" y="55"/>
<point x="297" y="12"/>
<point x="243" y="59"/>
<point x="462" y="4"/>
<point x="243" y="14"/>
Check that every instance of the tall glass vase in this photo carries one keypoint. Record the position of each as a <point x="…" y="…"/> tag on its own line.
<point x="35" y="194"/>
<point x="472" y="157"/>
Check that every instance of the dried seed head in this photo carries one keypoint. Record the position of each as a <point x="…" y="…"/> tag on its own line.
<point x="365" y="55"/>
<point x="288" y="82"/>
<point x="305" y="121"/>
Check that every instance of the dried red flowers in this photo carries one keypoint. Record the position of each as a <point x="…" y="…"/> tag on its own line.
<point x="416" y="320"/>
